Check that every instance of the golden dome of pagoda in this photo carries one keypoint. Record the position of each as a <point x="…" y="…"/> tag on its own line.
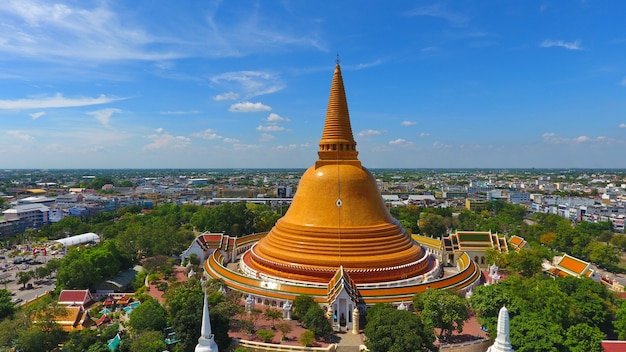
<point x="337" y="217"/>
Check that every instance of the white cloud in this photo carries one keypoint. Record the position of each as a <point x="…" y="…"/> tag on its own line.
<point x="623" y="82"/>
<point x="581" y="139"/>
<point x="407" y="123"/>
<point x="20" y="135"/>
<point x="249" y="83"/>
<point x="245" y="146"/>
<point x="43" y="30"/>
<point x="226" y="96"/>
<point x="265" y="137"/>
<point x="270" y="128"/>
<point x="439" y="145"/>
<point x="247" y="106"/>
<point x="166" y="140"/>
<point x="287" y="147"/>
<point x="231" y="140"/>
<point x="208" y="134"/>
<point x="104" y="116"/>
<point x="437" y="11"/>
<point x="551" y="137"/>
<point x="575" y="45"/>
<point x="95" y="31"/>
<point x="159" y="130"/>
<point x="275" y="118"/>
<point x="37" y="115"/>
<point x="622" y="125"/>
<point x="399" y="141"/>
<point x="56" y="101"/>
<point x="367" y="64"/>
<point x="424" y="134"/>
<point x="368" y="133"/>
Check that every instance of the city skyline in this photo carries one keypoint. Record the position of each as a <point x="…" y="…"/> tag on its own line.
<point x="102" y="84"/>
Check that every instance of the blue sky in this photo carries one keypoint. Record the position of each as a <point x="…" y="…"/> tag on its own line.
<point x="221" y="84"/>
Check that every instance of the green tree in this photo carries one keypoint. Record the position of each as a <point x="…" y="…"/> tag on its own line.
<point x="265" y="335"/>
<point x="531" y="332"/>
<point x="12" y="327"/>
<point x="584" y="338"/>
<point x="315" y="320"/>
<point x="445" y="310"/>
<point x="603" y="254"/>
<point x="148" y="341"/>
<point x="7" y="307"/>
<point x="98" y="346"/>
<point x="526" y="262"/>
<point x="392" y="330"/>
<point x="486" y="301"/>
<point x="284" y="329"/>
<point x="80" y="340"/>
<point x="301" y="305"/>
<point x="184" y="304"/>
<point x="273" y="315"/>
<point x="620" y="321"/>
<point x="23" y="277"/>
<point x="307" y="338"/>
<point x="44" y="334"/>
<point x="432" y="225"/>
<point x="493" y="256"/>
<point x="149" y="315"/>
<point x="37" y="340"/>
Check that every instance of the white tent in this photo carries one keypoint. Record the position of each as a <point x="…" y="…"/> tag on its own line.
<point x="79" y="239"/>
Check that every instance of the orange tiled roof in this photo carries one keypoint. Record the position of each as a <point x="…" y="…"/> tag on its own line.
<point x="517" y="242"/>
<point x="72" y="318"/>
<point x="575" y="265"/>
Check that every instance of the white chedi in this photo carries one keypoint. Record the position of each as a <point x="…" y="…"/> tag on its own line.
<point x="503" y="341"/>
<point x="206" y="343"/>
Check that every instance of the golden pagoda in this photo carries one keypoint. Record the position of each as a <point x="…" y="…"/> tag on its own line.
<point x="337" y="242"/>
<point x="337" y="217"/>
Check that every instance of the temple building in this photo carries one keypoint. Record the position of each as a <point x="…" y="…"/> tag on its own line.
<point x="337" y="242"/>
<point x="474" y="244"/>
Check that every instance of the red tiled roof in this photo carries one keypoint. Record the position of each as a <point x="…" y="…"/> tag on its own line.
<point x="103" y="319"/>
<point x="108" y="301"/>
<point x="614" y="346"/>
<point x="75" y="297"/>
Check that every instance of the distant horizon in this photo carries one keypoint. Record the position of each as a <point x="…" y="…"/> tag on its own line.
<point x="245" y="84"/>
<point x="299" y="168"/>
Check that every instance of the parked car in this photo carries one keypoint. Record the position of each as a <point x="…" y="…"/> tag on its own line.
<point x="16" y="300"/>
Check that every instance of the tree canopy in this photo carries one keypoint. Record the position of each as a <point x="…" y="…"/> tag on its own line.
<point x="392" y="330"/>
<point x="544" y="311"/>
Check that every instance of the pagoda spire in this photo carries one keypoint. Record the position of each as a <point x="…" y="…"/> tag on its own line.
<point x="337" y="143"/>
<point x="503" y="341"/>
<point x="206" y="343"/>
